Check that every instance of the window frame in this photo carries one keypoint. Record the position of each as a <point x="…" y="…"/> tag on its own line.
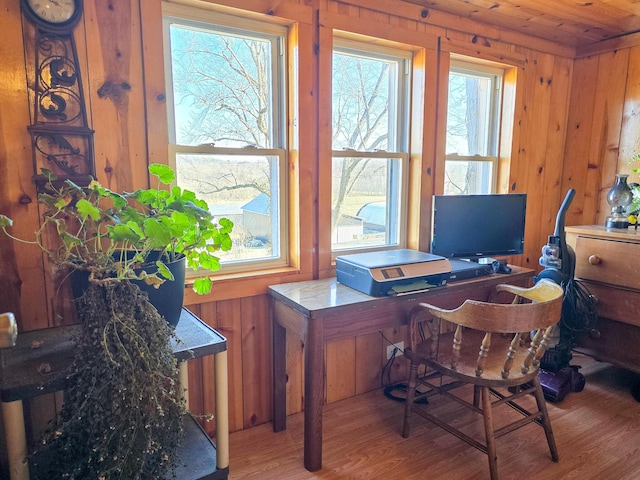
<point x="402" y="106"/>
<point x="496" y="75"/>
<point x="277" y="35"/>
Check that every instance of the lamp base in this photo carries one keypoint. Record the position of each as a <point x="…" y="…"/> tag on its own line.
<point x="616" y="222"/>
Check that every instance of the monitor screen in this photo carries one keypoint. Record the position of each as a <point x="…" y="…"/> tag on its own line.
<point x="477" y="226"/>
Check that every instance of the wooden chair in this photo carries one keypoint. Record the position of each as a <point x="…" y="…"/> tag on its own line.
<point x="489" y="346"/>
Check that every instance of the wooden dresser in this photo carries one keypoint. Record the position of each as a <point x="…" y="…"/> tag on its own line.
<point x="608" y="263"/>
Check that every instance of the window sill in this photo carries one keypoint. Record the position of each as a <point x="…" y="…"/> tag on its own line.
<point x="243" y="284"/>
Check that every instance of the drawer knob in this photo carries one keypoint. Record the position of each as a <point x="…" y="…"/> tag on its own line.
<point x="594" y="259"/>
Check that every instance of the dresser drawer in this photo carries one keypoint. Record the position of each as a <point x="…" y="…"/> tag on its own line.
<point x="608" y="261"/>
<point x="616" y="303"/>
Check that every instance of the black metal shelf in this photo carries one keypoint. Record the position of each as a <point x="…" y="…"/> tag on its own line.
<point x="22" y="378"/>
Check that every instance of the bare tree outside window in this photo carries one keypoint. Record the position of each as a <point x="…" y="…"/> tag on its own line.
<point x="367" y="107"/>
<point x="227" y="125"/>
<point x="472" y="129"/>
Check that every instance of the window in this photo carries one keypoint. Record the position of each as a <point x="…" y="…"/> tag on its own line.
<point x="370" y="117"/>
<point x="473" y="119"/>
<point x="226" y="125"/>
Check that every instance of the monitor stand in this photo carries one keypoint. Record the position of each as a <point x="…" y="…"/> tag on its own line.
<point x="464" y="269"/>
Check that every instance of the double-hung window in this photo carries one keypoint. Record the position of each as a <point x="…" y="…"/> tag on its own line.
<point x="226" y="88"/>
<point x="370" y="110"/>
<point x="473" y="120"/>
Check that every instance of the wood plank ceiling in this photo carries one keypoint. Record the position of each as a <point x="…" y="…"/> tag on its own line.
<point x="581" y="24"/>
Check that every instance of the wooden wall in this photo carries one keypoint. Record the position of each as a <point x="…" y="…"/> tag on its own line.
<point x="574" y="124"/>
<point x="603" y="131"/>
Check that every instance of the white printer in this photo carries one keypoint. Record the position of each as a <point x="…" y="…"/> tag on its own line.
<point x="392" y="272"/>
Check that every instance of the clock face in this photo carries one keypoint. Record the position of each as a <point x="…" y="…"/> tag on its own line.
<point x="54" y="12"/>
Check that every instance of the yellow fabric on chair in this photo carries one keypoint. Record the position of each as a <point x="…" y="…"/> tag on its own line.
<point x="489" y="346"/>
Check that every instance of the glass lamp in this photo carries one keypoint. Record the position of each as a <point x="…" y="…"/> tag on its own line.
<point x="619" y="198"/>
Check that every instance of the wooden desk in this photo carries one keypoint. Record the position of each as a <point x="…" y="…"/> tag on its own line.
<point x="20" y="379"/>
<point x="318" y="311"/>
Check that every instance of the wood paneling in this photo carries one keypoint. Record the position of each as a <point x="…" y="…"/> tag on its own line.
<point x="573" y="23"/>
<point x="574" y="124"/>
<point x="117" y="93"/>
<point x="21" y="271"/>
<point x="602" y="131"/>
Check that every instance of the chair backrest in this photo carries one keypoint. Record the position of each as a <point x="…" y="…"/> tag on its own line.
<point x="544" y="311"/>
<point x="539" y="315"/>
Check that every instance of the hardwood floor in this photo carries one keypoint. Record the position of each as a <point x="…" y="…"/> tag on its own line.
<point x="597" y="432"/>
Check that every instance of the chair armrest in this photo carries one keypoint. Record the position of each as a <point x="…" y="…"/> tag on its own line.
<point x="543" y="291"/>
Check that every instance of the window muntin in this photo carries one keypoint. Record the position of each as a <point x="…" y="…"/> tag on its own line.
<point x="369" y="143"/>
<point x="473" y="119"/>
<point x="226" y="128"/>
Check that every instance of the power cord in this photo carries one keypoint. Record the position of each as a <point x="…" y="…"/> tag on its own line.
<point x="390" y="390"/>
<point x="387" y="366"/>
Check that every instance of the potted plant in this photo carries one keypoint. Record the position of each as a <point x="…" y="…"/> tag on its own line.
<point x="122" y="413"/>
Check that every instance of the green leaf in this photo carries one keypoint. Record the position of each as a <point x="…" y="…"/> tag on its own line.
<point x="69" y="239"/>
<point x="46" y="199"/>
<point x="226" y="225"/>
<point x="181" y="220"/>
<point x="208" y="261"/>
<point x="226" y="244"/>
<point x="60" y="203"/>
<point x="189" y="196"/>
<point x="202" y="286"/>
<point x="123" y="233"/>
<point x="164" y="271"/>
<point x="130" y="214"/>
<point x="164" y="172"/>
<point x="158" y="234"/>
<point x="119" y="201"/>
<point x="5" y="221"/>
<point x="145" y="197"/>
<point x="74" y="187"/>
<point x="197" y="211"/>
<point x="87" y="209"/>
<point x="136" y="228"/>
<point x="49" y="174"/>
<point x="176" y="191"/>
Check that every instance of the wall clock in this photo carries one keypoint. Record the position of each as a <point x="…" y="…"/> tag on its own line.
<point x="56" y="15"/>
<point x="62" y="142"/>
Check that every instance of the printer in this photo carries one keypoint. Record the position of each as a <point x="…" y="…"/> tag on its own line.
<point x="392" y="272"/>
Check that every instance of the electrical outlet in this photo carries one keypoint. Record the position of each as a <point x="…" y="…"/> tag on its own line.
<point x="391" y="348"/>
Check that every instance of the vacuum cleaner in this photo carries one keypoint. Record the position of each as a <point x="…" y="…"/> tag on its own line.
<point x="557" y="377"/>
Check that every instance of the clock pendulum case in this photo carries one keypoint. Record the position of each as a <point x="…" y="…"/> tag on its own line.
<point x="61" y="140"/>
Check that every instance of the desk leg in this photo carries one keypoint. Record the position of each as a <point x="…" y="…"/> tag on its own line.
<point x="222" y="409"/>
<point x="13" y="415"/>
<point x="279" y="377"/>
<point x="313" y="395"/>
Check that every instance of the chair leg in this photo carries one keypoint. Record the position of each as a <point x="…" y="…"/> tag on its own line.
<point x="487" y="415"/>
<point x="546" y="422"/>
<point x="411" y="395"/>
<point x="476" y="396"/>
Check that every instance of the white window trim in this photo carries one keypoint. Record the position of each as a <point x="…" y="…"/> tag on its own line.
<point x="475" y="68"/>
<point x="374" y="51"/>
<point x="213" y="20"/>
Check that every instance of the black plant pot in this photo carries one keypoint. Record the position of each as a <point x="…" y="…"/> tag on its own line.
<point x="167" y="298"/>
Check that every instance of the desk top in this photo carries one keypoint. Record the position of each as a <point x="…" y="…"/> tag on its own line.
<point x="20" y="366"/>
<point x="318" y="296"/>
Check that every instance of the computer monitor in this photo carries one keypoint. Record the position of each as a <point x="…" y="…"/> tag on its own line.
<point x="478" y="227"/>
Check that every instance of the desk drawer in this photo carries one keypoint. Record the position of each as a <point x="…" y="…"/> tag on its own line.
<point x="616" y="304"/>
<point x="608" y="261"/>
